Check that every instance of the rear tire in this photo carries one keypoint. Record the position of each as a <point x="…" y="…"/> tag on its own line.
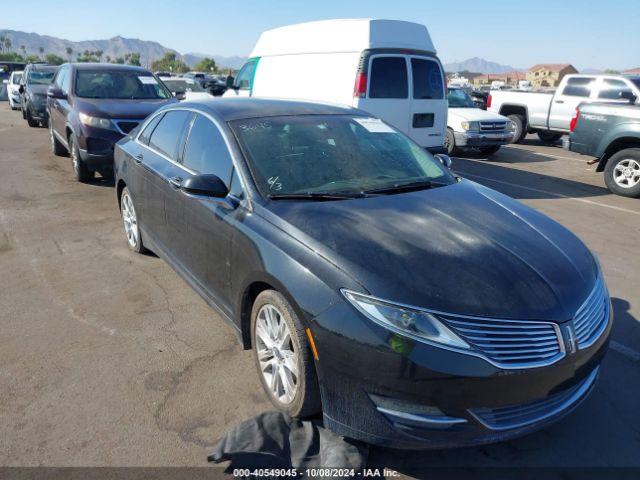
<point x="549" y="137"/>
<point x="622" y="173"/>
<point x="80" y="171"/>
<point x="282" y="352"/>
<point x="30" y="121"/>
<point x="520" y="127"/>
<point x="489" y="150"/>
<point x="450" y="142"/>
<point x="56" y="147"/>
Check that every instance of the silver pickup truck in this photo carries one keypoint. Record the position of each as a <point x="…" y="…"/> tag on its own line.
<point x="549" y="113"/>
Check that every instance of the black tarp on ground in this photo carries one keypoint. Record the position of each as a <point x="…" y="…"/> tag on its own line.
<point x="275" y="440"/>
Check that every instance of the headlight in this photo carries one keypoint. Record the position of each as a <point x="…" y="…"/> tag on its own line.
<point x="470" y="126"/>
<point x="417" y="324"/>
<point x="96" y="121"/>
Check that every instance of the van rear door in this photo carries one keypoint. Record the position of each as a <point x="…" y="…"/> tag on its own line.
<point x="428" y="114"/>
<point x="387" y="94"/>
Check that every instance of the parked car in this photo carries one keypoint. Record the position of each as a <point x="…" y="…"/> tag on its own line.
<point x="611" y="133"/>
<point x="6" y="68"/>
<point x="386" y="67"/>
<point x="13" y="89"/>
<point x="199" y="77"/>
<point x="163" y="74"/>
<point x="412" y="307"/>
<point x="186" y="89"/>
<point x="33" y="93"/>
<point x="549" y="114"/>
<point x="215" y="86"/>
<point x="471" y="127"/>
<point x="93" y="105"/>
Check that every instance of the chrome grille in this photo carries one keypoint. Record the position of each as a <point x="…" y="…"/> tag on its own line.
<point x="592" y="317"/>
<point x="511" y="343"/>
<point x="493" y="126"/>
<point x="515" y="416"/>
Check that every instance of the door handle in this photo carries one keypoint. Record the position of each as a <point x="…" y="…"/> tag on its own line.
<point x="138" y="158"/>
<point x="559" y="101"/>
<point x="176" y="182"/>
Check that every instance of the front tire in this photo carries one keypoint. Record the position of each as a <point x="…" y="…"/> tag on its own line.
<point x="520" y="127"/>
<point x="130" y="222"/>
<point x="549" y="137"/>
<point x="30" y="121"/>
<point x="80" y="170"/>
<point x="622" y="173"/>
<point x="283" y="356"/>
<point x="450" y="142"/>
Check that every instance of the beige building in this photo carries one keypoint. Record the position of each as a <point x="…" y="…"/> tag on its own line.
<point x="549" y="74"/>
<point x="509" y="78"/>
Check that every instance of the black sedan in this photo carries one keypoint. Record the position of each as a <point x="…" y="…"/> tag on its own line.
<point x="411" y="307"/>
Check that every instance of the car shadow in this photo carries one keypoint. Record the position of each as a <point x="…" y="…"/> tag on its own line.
<point x="522" y="184"/>
<point x="100" y="181"/>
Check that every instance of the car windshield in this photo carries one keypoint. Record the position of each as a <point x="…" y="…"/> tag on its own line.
<point x="333" y="155"/>
<point x="134" y="85"/>
<point x="458" y="98"/>
<point x="41" y="77"/>
<point x="16" y="78"/>
<point x="176" y="85"/>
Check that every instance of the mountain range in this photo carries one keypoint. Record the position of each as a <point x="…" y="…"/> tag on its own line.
<point x="113" y="47"/>
<point x="479" y="65"/>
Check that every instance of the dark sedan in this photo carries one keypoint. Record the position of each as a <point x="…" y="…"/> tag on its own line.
<point x="411" y="307"/>
<point x="92" y="106"/>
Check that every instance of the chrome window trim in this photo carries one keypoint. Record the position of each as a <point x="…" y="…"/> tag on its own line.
<point x="217" y="124"/>
<point x="575" y="397"/>
<point x="474" y="353"/>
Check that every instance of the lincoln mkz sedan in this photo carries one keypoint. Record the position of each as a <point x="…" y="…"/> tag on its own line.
<point x="413" y="308"/>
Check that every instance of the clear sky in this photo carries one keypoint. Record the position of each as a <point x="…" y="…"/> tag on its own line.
<point x="520" y="33"/>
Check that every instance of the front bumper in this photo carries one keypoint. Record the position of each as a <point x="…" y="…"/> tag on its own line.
<point x="383" y="389"/>
<point x="38" y="111"/>
<point x="14" y="98"/>
<point x="96" y="147"/>
<point x="482" y="139"/>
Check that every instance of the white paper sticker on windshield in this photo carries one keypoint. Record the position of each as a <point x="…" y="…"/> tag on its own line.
<point x="148" y="80"/>
<point x="374" y="125"/>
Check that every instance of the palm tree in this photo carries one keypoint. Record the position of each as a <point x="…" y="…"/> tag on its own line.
<point x="7" y="42"/>
<point x="24" y="50"/>
<point x="2" y="37"/>
<point x="41" y="50"/>
<point x="99" y="54"/>
<point x="69" y="51"/>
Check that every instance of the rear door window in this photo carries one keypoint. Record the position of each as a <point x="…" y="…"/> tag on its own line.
<point x="612" y="88"/>
<point x="148" y="130"/>
<point x="168" y="133"/>
<point x="206" y="150"/>
<point x="578" y="87"/>
<point x="427" y="80"/>
<point x="389" y="78"/>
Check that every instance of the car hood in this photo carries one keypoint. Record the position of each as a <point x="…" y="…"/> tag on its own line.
<point x="37" y="89"/>
<point x="462" y="249"/>
<point x="475" y="114"/>
<point x="108" y="108"/>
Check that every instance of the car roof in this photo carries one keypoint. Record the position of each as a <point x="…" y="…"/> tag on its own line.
<point x="228" y="109"/>
<point x="108" y="66"/>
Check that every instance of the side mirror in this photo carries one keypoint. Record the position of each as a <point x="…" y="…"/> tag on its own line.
<point x="627" y="95"/>
<point x="21" y="89"/>
<point x="55" y="92"/>
<point x="230" y="81"/>
<point x="180" y="95"/>
<point x="444" y="159"/>
<point x="205" y="184"/>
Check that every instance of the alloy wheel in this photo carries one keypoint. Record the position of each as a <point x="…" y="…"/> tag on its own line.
<point x="626" y="173"/>
<point x="74" y="156"/>
<point x="130" y="220"/>
<point x="276" y="354"/>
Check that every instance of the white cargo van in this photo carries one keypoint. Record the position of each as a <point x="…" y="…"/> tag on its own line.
<point x="386" y="67"/>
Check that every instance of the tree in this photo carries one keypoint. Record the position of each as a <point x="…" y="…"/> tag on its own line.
<point x="32" y="58"/>
<point x="612" y="71"/>
<point x="11" y="57"/>
<point x="53" y="59"/>
<point x="24" y="50"/>
<point x="98" y="54"/>
<point x="2" y="38"/>
<point x="169" y="63"/>
<point x="134" y="59"/>
<point x="206" y="65"/>
<point x="7" y="43"/>
<point x="108" y="59"/>
<point x="69" y="51"/>
<point x="41" y="50"/>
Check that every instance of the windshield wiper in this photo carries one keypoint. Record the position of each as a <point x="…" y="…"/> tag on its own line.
<point x="405" y="187"/>
<point x="315" y="196"/>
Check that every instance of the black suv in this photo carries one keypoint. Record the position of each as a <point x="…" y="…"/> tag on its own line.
<point x="33" y="93"/>
<point x="91" y="106"/>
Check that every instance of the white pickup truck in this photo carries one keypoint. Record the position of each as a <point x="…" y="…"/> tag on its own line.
<point x="549" y="113"/>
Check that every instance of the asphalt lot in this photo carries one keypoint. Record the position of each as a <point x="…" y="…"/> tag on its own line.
<point x="108" y="358"/>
